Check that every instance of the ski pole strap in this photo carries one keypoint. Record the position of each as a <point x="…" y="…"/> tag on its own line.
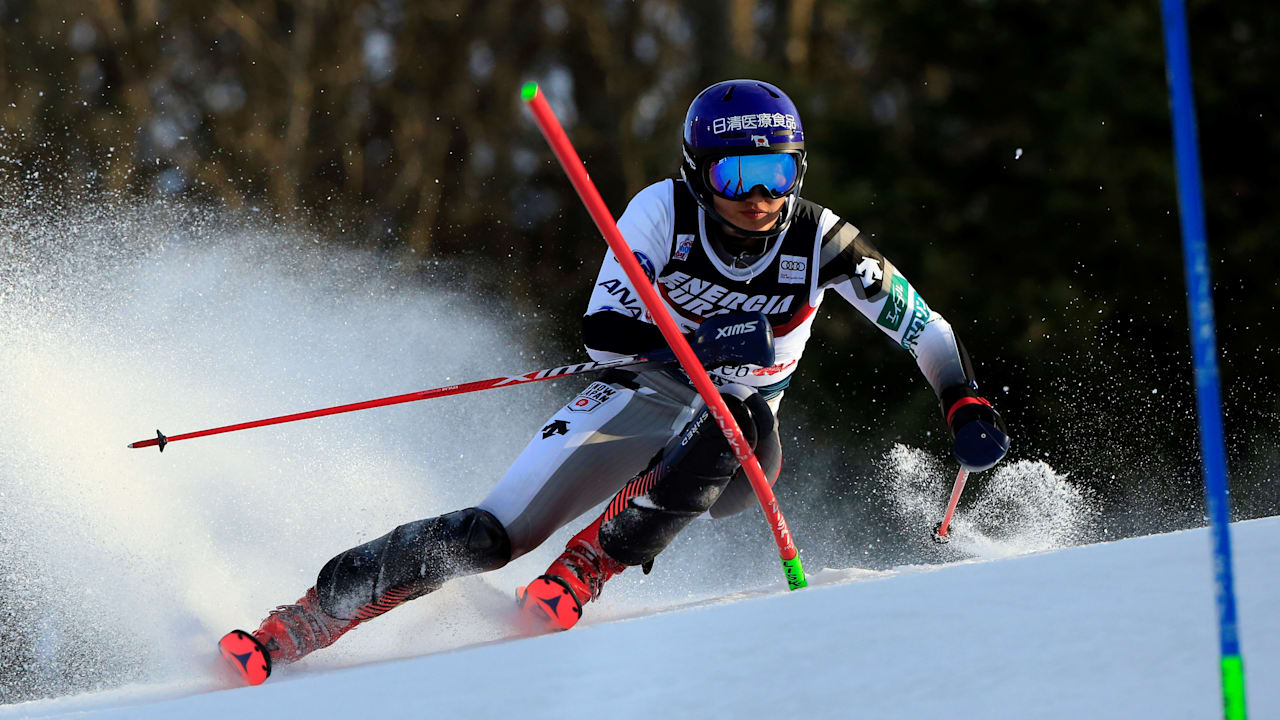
<point x="971" y="400"/>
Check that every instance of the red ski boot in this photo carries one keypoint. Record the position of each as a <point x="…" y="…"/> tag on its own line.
<point x="289" y="633"/>
<point x="554" y="600"/>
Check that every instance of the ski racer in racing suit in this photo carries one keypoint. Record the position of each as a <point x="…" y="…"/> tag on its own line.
<point x="729" y="240"/>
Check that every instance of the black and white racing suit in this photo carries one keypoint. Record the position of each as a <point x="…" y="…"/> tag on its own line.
<point x="601" y="438"/>
<point x="606" y="441"/>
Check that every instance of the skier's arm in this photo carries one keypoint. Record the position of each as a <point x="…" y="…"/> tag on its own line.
<point x="851" y="266"/>
<point x="614" y="332"/>
<point x="616" y="323"/>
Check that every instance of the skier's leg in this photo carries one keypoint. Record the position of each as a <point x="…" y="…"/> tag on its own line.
<point x="569" y="466"/>
<point x="362" y="583"/>
<point x="738" y="495"/>
<point x="696" y="467"/>
<point x="581" y="457"/>
<point x="684" y="481"/>
<point x="409" y="562"/>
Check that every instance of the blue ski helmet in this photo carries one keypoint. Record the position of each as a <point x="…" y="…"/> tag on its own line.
<point x="729" y="123"/>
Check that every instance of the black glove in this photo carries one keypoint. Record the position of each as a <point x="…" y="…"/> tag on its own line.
<point x="980" y="436"/>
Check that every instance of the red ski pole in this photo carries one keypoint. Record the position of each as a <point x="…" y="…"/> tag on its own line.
<point x="940" y="532"/>
<point x="573" y="165"/>
<point x="549" y="374"/>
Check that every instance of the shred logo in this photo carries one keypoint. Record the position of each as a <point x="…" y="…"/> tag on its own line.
<point x="919" y="318"/>
<point x="617" y="289"/>
<point x="594" y="396"/>
<point x="555" y="427"/>
<point x="693" y="428"/>
<point x="684" y="243"/>
<point x="738" y="329"/>
<point x="761" y="121"/>
<point x="704" y="298"/>
<point x="791" y="268"/>
<point x="895" y="306"/>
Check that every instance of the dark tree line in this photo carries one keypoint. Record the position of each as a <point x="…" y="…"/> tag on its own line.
<point x="1013" y="156"/>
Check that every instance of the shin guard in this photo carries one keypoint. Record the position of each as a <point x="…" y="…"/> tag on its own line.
<point x="411" y="561"/>
<point x="681" y="483"/>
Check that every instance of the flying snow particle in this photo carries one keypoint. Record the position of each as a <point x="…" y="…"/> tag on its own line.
<point x="1017" y="154"/>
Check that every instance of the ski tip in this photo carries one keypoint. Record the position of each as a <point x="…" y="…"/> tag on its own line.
<point x="548" y="604"/>
<point x="246" y="656"/>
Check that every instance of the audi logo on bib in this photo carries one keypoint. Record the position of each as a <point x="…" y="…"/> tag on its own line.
<point x="791" y="268"/>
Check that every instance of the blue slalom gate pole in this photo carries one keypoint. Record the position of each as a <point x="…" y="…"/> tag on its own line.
<point x="1204" y="346"/>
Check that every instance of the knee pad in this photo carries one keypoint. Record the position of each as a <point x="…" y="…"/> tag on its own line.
<point x="738" y="495"/>
<point x="701" y="448"/>
<point x="411" y="561"/>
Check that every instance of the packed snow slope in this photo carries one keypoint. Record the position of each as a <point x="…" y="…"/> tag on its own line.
<point x="1124" y="629"/>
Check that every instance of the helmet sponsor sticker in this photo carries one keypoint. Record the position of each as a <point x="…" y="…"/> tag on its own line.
<point x="760" y="140"/>
<point x="791" y="268"/>
<point x="761" y="121"/>
<point x="596" y="394"/>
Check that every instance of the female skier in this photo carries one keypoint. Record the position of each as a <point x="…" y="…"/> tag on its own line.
<point x="729" y="240"/>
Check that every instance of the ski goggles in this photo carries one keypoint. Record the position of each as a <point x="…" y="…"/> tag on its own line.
<point x="734" y="177"/>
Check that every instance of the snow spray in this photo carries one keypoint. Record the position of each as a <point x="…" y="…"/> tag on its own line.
<point x="120" y="566"/>
<point x="1018" y="507"/>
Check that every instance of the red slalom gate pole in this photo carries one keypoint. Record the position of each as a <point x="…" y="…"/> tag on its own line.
<point x="549" y="374"/>
<point x="568" y="157"/>
<point x="940" y="532"/>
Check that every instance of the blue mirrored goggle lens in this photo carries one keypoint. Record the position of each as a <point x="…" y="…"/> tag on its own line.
<point x="736" y="176"/>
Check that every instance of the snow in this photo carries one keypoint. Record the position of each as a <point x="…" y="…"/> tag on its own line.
<point x="121" y="568"/>
<point x="1124" y="629"/>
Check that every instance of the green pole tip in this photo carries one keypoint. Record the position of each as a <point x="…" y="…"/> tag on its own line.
<point x="1233" y="695"/>
<point x="529" y="90"/>
<point x="795" y="573"/>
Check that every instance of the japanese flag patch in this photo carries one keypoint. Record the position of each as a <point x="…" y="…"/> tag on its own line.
<point x="596" y="394"/>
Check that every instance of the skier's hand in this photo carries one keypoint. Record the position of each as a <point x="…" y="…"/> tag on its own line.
<point x="736" y="338"/>
<point x="980" y="436"/>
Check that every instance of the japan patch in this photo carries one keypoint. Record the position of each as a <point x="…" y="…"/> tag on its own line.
<point x="760" y="140"/>
<point x="596" y="394"/>
<point x="791" y="268"/>
<point x="684" y="243"/>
